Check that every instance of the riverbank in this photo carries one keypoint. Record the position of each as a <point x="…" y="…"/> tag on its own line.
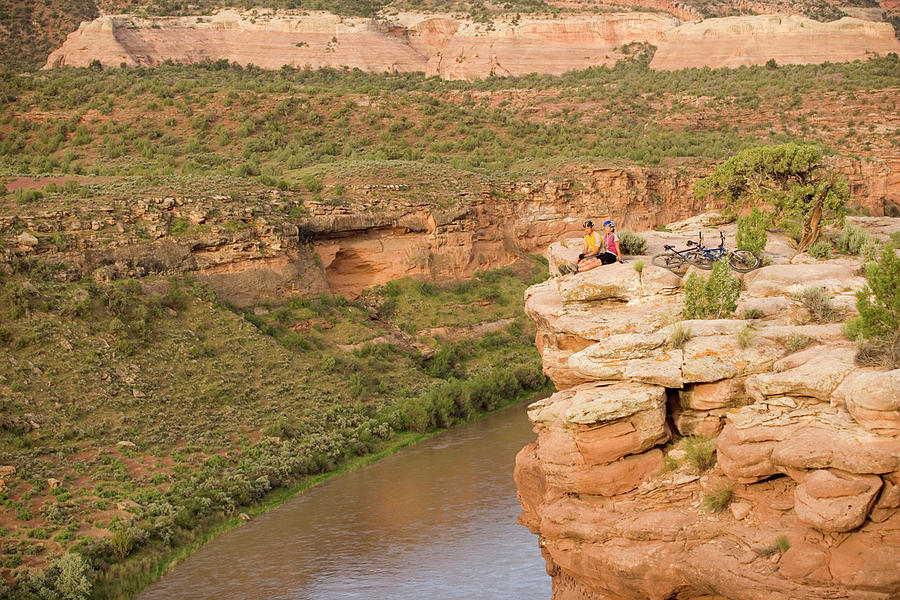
<point x="165" y="561"/>
<point x="137" y="416"/>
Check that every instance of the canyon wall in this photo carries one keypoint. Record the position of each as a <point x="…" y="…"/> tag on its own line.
<point x="802" y="502"/>
<point x="251" y="250"/>
<point x="457" y="49"/>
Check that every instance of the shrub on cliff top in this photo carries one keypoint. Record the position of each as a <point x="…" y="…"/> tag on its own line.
<point x="714" y="298"/>
<point x="878" y="323"/>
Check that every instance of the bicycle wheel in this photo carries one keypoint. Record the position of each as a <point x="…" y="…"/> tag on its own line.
<point x="701" y="260"/>
<point x="669" y="261"/>
<point x="743" y="261"/>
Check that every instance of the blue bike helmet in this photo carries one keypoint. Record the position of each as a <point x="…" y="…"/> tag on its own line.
<point x="609" y="224"/>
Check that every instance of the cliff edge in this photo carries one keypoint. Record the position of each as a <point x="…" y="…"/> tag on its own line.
<point x="802" y="500"/>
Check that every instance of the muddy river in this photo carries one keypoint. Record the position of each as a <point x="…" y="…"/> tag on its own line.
<point x="436" y="521"/>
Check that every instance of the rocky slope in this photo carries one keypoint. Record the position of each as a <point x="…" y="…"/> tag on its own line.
<point x="456" y="49"/>
<point x="808" y="442"/>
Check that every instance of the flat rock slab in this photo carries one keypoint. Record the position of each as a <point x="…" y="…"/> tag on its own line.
<point x="784" y="280"/>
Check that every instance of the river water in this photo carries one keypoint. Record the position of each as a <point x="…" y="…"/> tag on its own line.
<point x="436" y="521"/>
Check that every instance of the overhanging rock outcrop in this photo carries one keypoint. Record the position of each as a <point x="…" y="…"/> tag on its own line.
<point x="807" y="442"/>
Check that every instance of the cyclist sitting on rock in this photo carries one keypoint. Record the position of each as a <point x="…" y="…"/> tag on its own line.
<point x="598" y="250"/>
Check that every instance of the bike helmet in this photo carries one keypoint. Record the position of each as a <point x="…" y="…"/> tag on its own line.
<point x="609" y="224"/>
<point x="588" y="224"/>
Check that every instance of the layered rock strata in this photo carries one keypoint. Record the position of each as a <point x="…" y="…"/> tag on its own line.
<point x="808" y="442"/>
<point x="788" y="39"/>
<point x="451" y="48"/>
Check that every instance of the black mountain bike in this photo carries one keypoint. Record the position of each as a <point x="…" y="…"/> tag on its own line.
<point x="676" y="260"/>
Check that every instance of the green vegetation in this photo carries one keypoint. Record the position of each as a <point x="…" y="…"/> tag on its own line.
<point x="752" y="313"/>
<point x="744" y="337"/>
<point x="817" y="304"/>
<point x="224" y="407"/>
<point x="751" y="231"/>
<point x="700" y="452"/>
<point x="713" y="298"/>
<point x="820" y="250"/>
<point x="877" y="328"/>
<point x="791" y="178"/>
<point x="632" y="243"/>
<point x="299" y="126"/>
<point x="796" y="342"/>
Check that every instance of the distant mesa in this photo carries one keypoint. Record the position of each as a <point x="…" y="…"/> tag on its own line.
<point x="451" y="48"/>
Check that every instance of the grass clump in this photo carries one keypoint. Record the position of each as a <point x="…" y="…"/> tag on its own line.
<point x="797" y="342"/>
<point x="752" y="313"/>
<point x="679" y="335"/>
<point x="700" y="452"/>
<point x="639" y="266"/>
<point x="819" y="305"/>
<point x="714" y="298"/>
<point x="744" y="337"/>
<point x="718" y="500"/>
<point x="632" y="243"/>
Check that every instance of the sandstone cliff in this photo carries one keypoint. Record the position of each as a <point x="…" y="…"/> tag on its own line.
<point x="808" y="442"/>
<point x="732" y="42"/>
<point x="457" y="49"/>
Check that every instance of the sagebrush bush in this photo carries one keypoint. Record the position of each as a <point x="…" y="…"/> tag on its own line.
<point x="818" y="304"/>
<point x="820" y="250"/>
<point x="632" y="243"/>
<point x="852" y="239"/>
<point x="714" y="298"/>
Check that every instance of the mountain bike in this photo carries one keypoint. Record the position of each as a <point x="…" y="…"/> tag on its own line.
<point x="675" y="260"/>
<point x="741" y="261"/>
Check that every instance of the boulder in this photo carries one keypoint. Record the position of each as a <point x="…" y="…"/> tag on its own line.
<point x="873" y="399"/>
<point x="812" y="373"/>
<point x="697" y="422"/>
<point x="805" y="562"/>
<point x="7" y="471"/>
<point x="609" y="479"/>
<point x="618" y="281"/>
<point x="26" y="239"/>
<point x="868" y="560"/>
<point x="835" y="501"/>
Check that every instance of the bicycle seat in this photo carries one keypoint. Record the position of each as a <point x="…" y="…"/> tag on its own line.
<point x="667" y="247"/>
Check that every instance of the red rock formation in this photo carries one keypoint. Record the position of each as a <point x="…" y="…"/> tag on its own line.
<point x="736" y="41"/>
<point x="454" y="49"/>
<point x="810" y="443"/>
